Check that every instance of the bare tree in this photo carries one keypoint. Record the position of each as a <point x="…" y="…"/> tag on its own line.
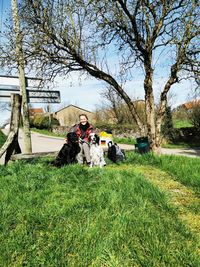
<point x="118" y="109"/>
<point x="64" y="36"/>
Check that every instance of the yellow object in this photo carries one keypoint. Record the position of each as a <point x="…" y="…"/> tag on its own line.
<point x="105" y="134"/>
<point x="105" y="138"/>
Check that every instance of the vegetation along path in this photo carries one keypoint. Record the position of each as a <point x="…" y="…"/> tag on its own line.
<point x="180" y="195"/>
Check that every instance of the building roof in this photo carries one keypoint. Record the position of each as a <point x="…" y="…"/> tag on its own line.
<point x="191" y="104"/>
<point x="33" y="111"/>
<point x="74" y="107"/>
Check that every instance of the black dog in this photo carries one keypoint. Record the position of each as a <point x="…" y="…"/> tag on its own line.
<point x="115" y="153"/>
<point x="67" y="154"/>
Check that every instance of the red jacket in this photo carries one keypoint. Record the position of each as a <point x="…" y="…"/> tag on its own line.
<point x="86" y="134"/>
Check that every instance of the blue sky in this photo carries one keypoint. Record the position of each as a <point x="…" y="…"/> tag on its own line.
<point x="85" y="93"/>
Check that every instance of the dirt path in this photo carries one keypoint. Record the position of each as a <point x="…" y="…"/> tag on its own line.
<point x="45" y="143"/>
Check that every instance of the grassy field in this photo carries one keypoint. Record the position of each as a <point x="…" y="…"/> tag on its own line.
<point x="182" y="123"/>
<point x="2" y="138"/>
<point x="120" y="215"/>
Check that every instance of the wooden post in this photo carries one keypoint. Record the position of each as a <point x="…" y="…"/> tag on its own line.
<point x="12" y="145"/>
<point x="22" y="80"/>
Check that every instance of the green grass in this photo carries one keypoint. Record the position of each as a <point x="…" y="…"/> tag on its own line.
<point x="186" y="170"/>
<point x="76" y="216"/>
<point x="2" y="138"/>
<point x="182" y="123"/>
<point x="182" y="145"/>
<point x="47" y="132"/>
<point x="124" y="140"/>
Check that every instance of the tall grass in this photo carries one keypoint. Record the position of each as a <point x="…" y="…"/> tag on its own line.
<point x="2" y="138"/>
<point x="77" y="216"/>
<point x="184" y="169"/>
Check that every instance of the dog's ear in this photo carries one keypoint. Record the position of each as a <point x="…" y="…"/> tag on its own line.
<point x="109" y="143"/>
<point x="97" y="138"/>
<point x="89" y="137"/>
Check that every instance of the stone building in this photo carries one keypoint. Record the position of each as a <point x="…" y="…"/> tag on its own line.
<point x="69" y="115"/>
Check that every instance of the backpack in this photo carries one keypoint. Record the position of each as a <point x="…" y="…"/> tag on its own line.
<point x="115" y="153"/>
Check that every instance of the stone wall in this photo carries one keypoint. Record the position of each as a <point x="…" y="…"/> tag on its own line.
<point x="63" y="130"/>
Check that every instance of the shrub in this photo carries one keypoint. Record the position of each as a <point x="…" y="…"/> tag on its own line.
<point x="194" y="117"/>
<point x="42" y="122"/>
<point x="167" y="127"/>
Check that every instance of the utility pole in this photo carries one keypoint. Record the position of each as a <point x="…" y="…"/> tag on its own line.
<point x="22" y="79"/>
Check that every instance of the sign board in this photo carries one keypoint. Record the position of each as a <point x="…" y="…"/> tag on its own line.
<point x="42" y="96"/>
<point x="34" y="96"/>
<point x="14" y="80"/>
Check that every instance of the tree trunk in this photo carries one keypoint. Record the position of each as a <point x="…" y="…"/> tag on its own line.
<point x="150" y="107"/>
<point x="22" y="81"/>
<point x="11" y="145"/>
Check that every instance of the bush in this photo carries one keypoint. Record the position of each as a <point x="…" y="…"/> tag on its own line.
<point x="188" y="135"/>
<point x="194" y="117"/>
<point x="120" y="128"/>
<point x="167" y="127"/>
<point x="42" y="122"/>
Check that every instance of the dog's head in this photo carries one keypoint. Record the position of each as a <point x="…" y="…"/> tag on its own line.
<point x="72" y="137"/>
<point x="94" y="138"/>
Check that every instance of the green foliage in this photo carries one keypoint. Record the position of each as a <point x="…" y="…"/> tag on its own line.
<point x="178" y="166"/>
<point x="121" y="128"/>
<point x="167" y="127"/>
<point x="2" y="138"/>
<point x="180" y="114"/>
<point x="194" y="117"/>
<point x="182" y="123"/>
<point x="124" y="140"/>
<point x="47" y="132"/>
<point x="77" y="216"/>
<point x="188" y="135"/>
<point x="43" y="122"/>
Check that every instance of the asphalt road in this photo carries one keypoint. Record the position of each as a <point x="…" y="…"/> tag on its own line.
<point x="44" y="143"/>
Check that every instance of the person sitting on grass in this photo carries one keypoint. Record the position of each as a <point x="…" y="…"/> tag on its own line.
<point x="83" y="130"/>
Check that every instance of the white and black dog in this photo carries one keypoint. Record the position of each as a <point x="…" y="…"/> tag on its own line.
<point x="96" y="151"/>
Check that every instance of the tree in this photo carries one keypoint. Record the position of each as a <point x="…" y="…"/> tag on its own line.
<point x="167" y="127"/>
<point x="115" y="109"/>
<point x="22" y="81"/>
<point x="64" y="36"/>
<point x="116" y="106"/>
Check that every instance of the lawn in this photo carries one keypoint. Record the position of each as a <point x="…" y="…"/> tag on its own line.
<point x="182" y="123"/>
<point x="2" y="138"/>
<point x="77" y="216"/>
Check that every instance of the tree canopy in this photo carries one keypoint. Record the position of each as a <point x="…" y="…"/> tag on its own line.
<point x="61" y="36"/>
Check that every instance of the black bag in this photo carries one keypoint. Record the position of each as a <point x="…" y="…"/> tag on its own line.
<point x="115" y="153"/>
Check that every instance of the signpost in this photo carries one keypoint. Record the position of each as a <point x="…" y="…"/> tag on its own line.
<point x="10" y="90"/>
<point x="33" y="95"/>
<point x="14" y="80"/>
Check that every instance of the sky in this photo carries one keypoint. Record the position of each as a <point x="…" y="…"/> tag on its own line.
<point x="85" y="92"/>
